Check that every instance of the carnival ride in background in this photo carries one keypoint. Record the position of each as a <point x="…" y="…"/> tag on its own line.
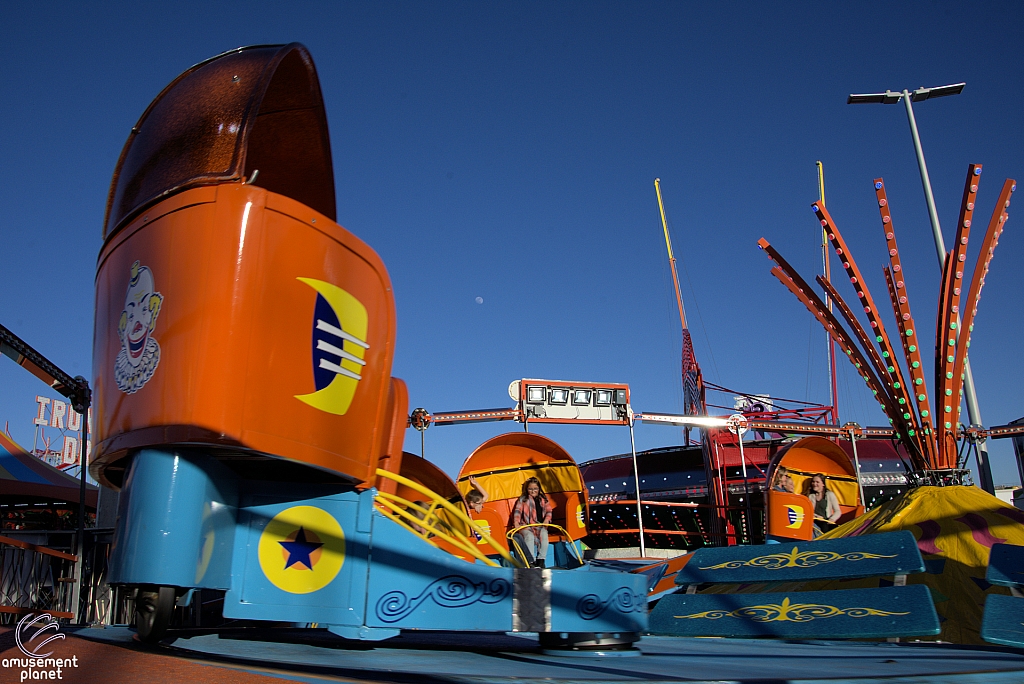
<point x="724" y="497"/>
<point x="933" y="454"/>
<point x="957" y="525"/>
<point x="936" y="446"/>
<point x="930" y="451"/>
<point x="35" y="495"/>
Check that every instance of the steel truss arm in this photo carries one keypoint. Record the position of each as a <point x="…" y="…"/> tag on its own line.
<point x="76" y="389"/>
<point x="997" y="432"/>
<point x="419" y="420"/>
<point x="767" y="425"/>
<point x="821" y="430"/>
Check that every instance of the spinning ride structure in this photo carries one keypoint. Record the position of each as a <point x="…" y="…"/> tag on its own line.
<point x="244" y="403"/>
<point x="736" y="473"/>
<point x="929" y="429"/>
<point x="932" y="450"/>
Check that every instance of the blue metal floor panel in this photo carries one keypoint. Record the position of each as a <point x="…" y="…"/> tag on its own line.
<point x="463" y="658"/>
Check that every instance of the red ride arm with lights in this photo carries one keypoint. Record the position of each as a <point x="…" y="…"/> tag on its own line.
<point x="886" y="401"/>
<point x="894" y="373"/>
<point x="913" y="355"/>
<point x="795" y="284"/>
<point x="861" y="334"/>
<point x="909" y="338"/>
<point x="949" y="307"/>
<point x="988" y="246"/>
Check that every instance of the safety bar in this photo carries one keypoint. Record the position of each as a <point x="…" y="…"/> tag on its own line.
<point x="558" y="528"/>
<point x="398" y="509"/>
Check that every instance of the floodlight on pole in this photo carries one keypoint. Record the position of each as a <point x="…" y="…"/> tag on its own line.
<point x="888" y="97"/>
<point x="920" y="95"/>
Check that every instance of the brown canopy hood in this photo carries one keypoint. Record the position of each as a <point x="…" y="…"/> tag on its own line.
<point x="251" y="109"/>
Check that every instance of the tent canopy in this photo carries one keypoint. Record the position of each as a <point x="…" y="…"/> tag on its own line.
<point x="24" y="478"/>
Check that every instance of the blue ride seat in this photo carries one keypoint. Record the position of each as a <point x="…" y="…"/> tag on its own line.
<point x="1002" y="620"/>
<point x="883" y="612"/>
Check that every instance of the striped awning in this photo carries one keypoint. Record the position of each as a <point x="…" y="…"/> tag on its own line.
<point x="23" y="475"/>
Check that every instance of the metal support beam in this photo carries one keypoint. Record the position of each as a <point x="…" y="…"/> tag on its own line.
<point x="636" y="480"/>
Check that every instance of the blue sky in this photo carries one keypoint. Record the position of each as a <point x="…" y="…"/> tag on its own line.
<point x="507" y="151"/>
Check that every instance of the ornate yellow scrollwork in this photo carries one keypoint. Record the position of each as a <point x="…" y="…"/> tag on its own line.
<point x="788" y="612"/>
<point x="795" y="559"/>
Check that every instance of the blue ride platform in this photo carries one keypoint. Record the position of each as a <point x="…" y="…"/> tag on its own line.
<point x="302" y="552"/>
<point x="464" y="658"/>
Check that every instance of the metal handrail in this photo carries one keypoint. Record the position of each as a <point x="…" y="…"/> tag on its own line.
<point x="391" y="506"/>
<point x="8" y="541"/>
<point x="35" y="579"/>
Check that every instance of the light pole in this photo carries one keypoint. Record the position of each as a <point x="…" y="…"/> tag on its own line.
<point x="919" y="95"/>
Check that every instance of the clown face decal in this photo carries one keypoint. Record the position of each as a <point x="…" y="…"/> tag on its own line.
<point x="140" y="353"/>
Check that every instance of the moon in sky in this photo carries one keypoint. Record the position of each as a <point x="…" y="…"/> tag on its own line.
<point x="479" y="300"/>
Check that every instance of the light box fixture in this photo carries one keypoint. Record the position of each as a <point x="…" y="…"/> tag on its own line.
<point x="536" y="394"/>
<point x="603" y="397"/>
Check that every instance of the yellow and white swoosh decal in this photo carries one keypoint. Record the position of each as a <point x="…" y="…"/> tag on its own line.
<point x="340" y="325"/>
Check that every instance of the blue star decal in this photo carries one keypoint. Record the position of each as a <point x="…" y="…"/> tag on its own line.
<point x="299" y="550"/>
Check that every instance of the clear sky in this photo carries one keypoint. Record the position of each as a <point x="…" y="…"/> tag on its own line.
<point x="507" y="152"/>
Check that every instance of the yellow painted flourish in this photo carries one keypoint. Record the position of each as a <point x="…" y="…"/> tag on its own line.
<point x="795" y="559"/>
<point x="787" y="612"/>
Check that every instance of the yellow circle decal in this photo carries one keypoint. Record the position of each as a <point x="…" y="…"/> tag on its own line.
<point x="302" y="549"/>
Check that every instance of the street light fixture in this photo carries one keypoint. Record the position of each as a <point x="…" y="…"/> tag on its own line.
<point x="920" y="95"/>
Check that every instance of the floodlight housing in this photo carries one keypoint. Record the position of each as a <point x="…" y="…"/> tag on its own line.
<point x="559" y="396"/>
<point x="922" y="94"/>
<point x="919" y="95"/>
<point x="603" y="397"/>
<point x="581" y="397"/>
<point x="888" y="97"/>
<point x="536" y="394"/>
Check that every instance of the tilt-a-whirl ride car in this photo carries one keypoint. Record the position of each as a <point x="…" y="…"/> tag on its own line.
<point x="244" y="403"/>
